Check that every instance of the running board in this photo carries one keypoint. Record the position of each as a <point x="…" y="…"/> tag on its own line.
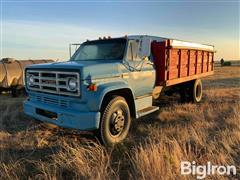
<point x="146" y="111"/>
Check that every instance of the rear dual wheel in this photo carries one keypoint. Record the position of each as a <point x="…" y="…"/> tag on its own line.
<point x="115" y="121"/>
<point x="192" y="92"/>
<point x="197" y="91"/>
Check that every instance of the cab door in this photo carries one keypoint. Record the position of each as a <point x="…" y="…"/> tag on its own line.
<point x="140" y="70"/>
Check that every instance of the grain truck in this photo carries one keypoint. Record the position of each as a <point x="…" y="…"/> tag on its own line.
<point x="108" y="82"/>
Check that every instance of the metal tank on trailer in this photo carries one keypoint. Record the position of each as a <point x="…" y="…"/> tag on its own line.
<point x="11" y="73"/>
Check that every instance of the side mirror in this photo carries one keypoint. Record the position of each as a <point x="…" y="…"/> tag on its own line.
<point x="77" y="45"/>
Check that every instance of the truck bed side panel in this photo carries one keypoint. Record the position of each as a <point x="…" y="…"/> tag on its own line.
<point x="180" y="64"/>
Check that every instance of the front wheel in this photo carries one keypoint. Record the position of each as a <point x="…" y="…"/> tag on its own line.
<point x="115" y="121"/>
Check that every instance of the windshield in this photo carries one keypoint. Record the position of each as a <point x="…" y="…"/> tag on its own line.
<point x="109" y="49"/>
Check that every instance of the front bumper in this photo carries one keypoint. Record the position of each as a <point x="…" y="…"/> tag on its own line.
<point x="65" y="117"/>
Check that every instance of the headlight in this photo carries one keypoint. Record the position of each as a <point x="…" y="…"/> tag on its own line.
<point x="72" y="84"/>
<point x="30" y="80"/>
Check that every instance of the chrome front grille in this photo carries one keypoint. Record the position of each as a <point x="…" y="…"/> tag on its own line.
<point x="55" y="82"/>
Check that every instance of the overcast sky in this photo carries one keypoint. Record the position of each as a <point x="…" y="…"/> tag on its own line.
<point x="43" y="29"/>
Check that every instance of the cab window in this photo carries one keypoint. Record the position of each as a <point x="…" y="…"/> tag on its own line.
<point x="133" y="49"/>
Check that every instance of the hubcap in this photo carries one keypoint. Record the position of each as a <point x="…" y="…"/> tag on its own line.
<point x="117" y="122"/>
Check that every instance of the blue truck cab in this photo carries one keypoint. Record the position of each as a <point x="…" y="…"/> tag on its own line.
<point x="106" y="83"/>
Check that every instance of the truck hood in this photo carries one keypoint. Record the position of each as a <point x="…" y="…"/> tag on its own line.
<point x="88" y="69"/>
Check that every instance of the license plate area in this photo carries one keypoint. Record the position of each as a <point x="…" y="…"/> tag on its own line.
<point x="48" y="114"/>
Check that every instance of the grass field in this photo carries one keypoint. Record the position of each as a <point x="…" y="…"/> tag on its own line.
<point x="209" y="131"/>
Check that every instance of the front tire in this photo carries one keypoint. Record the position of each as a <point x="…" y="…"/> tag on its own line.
<point x="115" y="121"/>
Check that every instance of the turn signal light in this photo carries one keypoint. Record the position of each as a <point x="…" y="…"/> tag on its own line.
<point x="92" y="87"/>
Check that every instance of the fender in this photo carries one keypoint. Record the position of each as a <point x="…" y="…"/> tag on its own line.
<point x="95" y="100"/>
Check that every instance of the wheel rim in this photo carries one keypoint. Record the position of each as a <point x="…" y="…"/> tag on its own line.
<point x="117" y="122"/>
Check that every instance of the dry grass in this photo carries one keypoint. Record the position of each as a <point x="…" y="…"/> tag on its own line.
<point x="209" y="131"/>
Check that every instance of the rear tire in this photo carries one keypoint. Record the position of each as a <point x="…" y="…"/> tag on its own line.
<point x="115" y="121"/>
<point x="191" y="92"/>
<point x="197" y="91"/>
<point x="186" y="93"/>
